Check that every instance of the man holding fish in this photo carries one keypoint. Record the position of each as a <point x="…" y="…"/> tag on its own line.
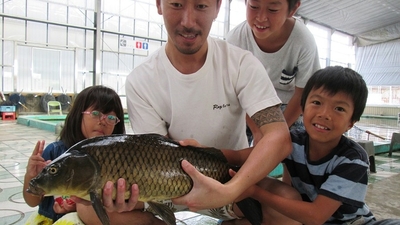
<point x="198" y="89"/>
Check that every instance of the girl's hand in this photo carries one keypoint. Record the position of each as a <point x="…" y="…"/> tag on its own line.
<point x="64" y="205"/>
<point x="36" y="162"/>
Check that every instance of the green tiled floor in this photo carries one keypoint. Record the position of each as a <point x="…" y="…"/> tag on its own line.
<point x="386" y="167"/>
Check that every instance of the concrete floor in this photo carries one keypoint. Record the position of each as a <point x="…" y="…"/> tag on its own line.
<point x="17" y="143"/>
<point x="383" y="196"/>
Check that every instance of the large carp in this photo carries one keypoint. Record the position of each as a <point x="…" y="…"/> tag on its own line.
<point x="152" y="161"/>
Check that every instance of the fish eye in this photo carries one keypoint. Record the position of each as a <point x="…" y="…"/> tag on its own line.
<point x="52" y="170"/>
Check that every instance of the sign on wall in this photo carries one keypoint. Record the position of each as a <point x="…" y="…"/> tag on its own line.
<point x="134" y="44"/>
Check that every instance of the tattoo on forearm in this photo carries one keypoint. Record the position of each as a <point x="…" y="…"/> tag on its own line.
<point x="268" y="115"/>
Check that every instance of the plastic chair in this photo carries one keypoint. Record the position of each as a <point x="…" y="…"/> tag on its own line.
<point x="369" y="147"/>
<point x="395" y="139"/>
<point x="53" y="107"/>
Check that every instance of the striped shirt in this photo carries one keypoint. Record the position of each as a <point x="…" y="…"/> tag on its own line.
<point x="341" y="175"/>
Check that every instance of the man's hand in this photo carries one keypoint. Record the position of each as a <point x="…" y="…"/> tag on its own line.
<point x="206" y="193"/>
<point x="248" y="193"/>
<point x="119" y="204"/>
<point x="191" y="142"/>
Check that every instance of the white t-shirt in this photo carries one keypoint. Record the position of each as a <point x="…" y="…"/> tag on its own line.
<point x="208" y="105"/>
<point x="300" y="50"/>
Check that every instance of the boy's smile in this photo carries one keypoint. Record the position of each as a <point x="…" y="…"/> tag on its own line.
<point x="327" y="116"/>
<point x="321" y="127"/>
<point x="266" y="17"/>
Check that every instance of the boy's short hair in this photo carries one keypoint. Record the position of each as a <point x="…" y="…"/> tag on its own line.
<point x="334" y="79"/>
<point x="292" y="3"/>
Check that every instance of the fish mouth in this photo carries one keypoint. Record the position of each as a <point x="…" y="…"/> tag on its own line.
<point x="35" y="190"/>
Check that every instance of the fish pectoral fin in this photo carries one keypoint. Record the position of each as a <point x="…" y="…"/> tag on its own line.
<point x="251" y="209"/>
<point x="97" y="204"/>
<point x="164" y="212"/>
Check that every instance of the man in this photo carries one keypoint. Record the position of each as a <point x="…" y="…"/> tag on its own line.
<point x="200" y="88"/>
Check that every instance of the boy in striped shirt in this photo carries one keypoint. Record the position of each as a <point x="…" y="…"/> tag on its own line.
<point x="329" y="171"/>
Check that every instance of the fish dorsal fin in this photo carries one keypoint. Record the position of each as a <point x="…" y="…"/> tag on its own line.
<point x="215" y="153"/>
<point x="164" y="212"/>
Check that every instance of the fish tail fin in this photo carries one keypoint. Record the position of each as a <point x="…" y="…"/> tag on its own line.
<point x="251" y="210"/>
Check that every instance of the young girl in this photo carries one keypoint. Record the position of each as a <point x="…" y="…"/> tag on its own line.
<point x="97" y="111"/>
